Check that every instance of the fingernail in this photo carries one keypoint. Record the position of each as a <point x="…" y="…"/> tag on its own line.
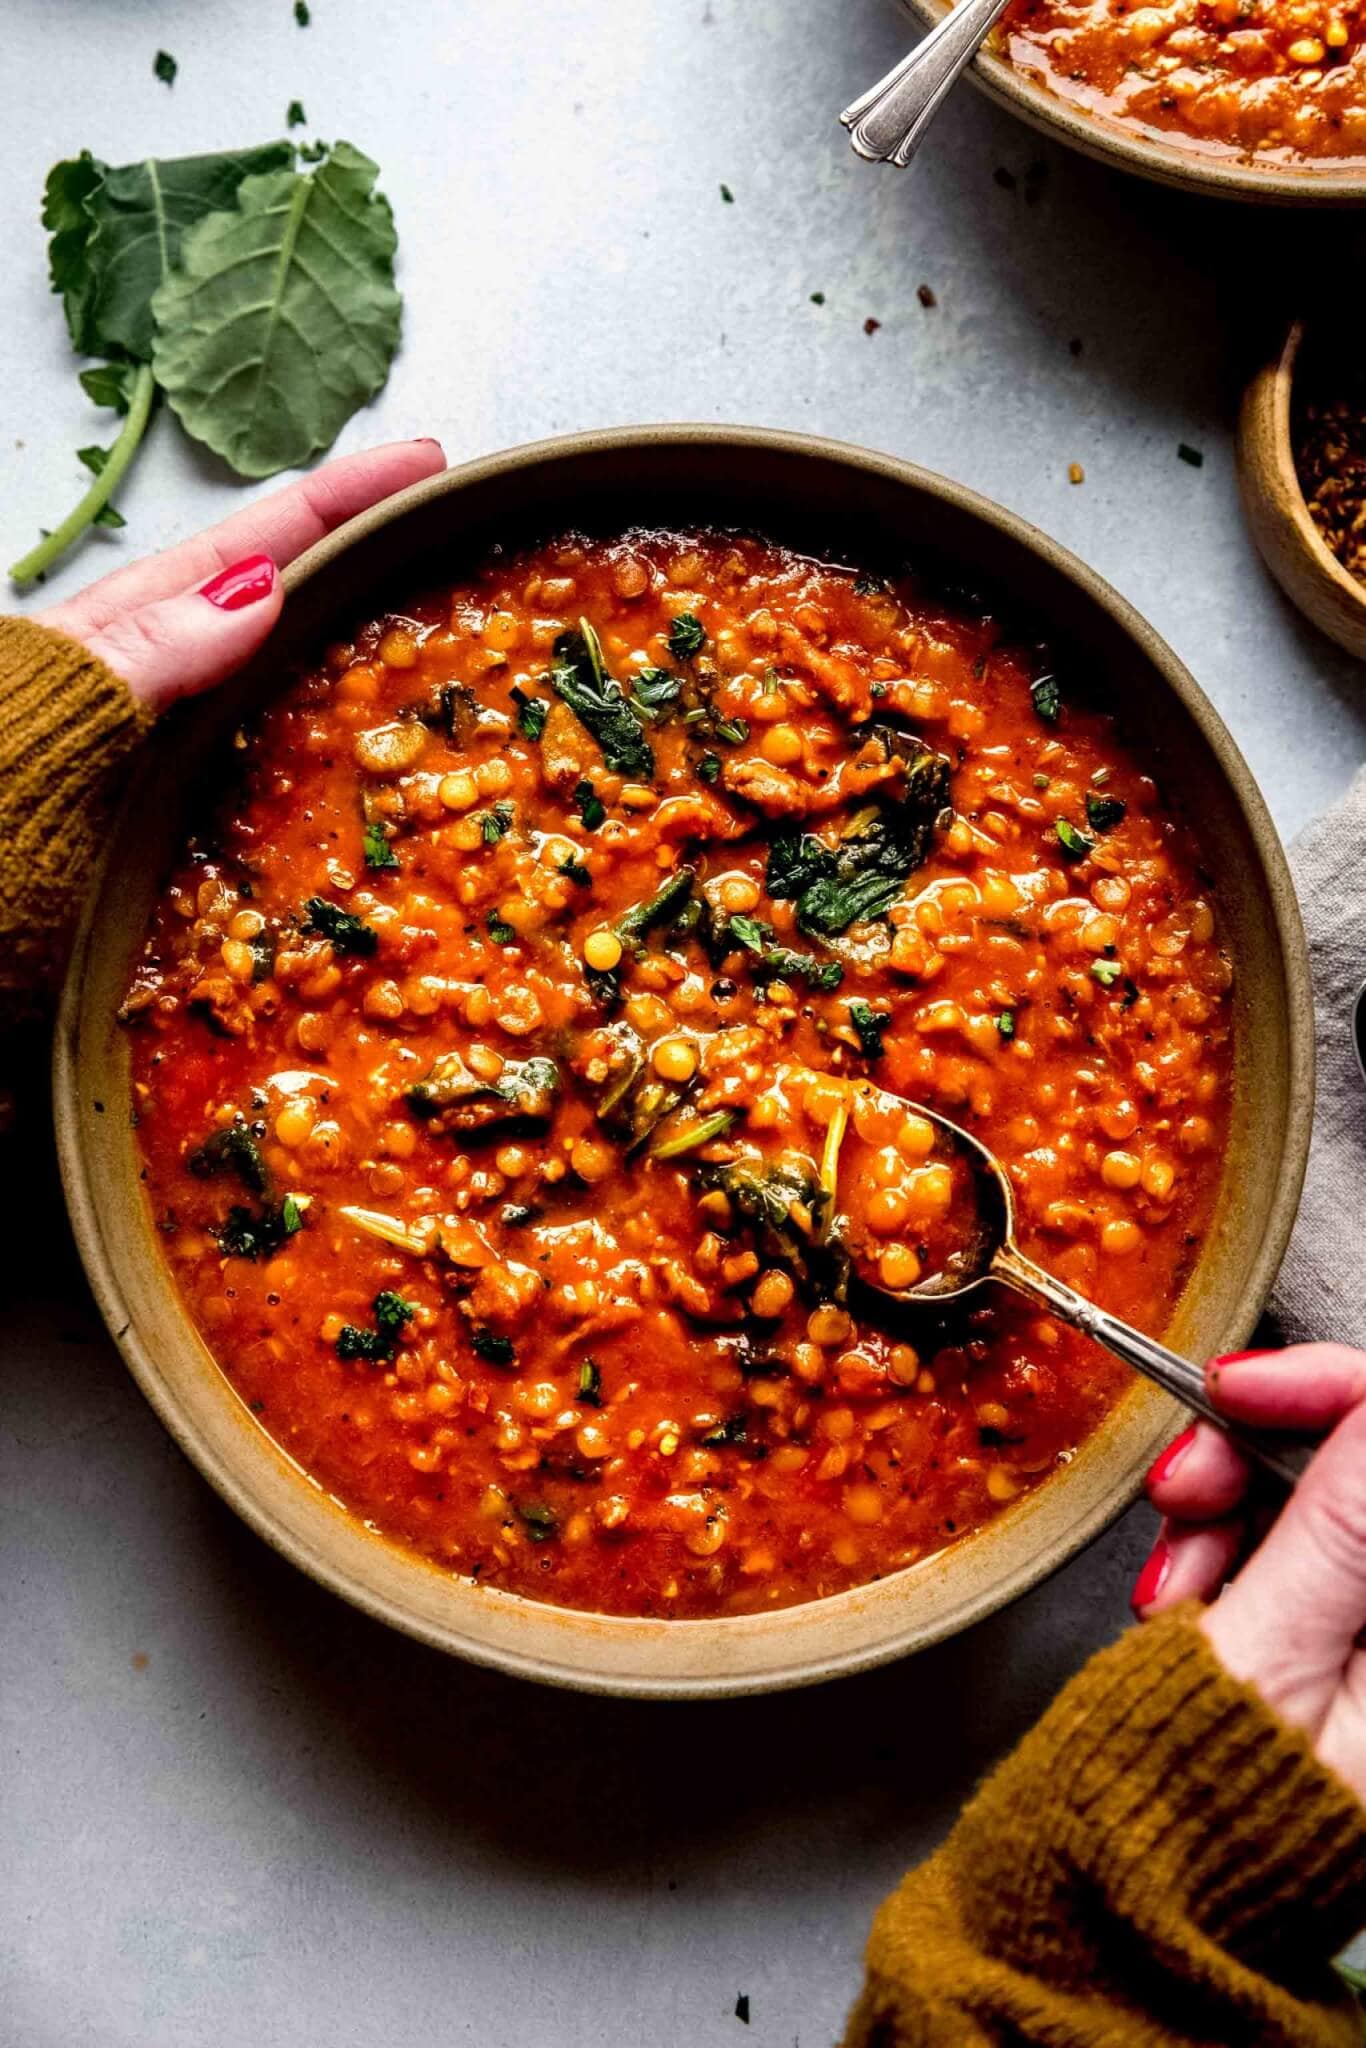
<point x="1163" y="1466"/>
<point x="429" y="441"/>
<point x="1216" y="1365"/>
<point x="1152" y="1578"/>
<point x="244" y="583"/>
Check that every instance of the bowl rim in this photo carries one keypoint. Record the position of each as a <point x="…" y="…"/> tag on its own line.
<point x="1160" y="1413"/>
<point x="1114" y="142"/>
<point x="1283" y="371"/>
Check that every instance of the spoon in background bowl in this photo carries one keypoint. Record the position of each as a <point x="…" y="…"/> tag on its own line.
<point x="980" y="1246"/>
<point x="888" y="123"/>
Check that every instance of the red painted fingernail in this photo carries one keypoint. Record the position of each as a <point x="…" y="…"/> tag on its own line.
<point x="243" y="584"/>
<point x="1163" y="1467"/>
<point x="1152" y="1578"/>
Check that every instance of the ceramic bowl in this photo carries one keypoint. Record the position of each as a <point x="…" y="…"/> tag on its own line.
<point x="1291" y="545"/>
<point x="814" y="494"/>
<point x="1190" y="167"/>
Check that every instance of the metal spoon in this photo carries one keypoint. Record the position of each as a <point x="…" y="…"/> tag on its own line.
<point x="890" y="121"/>
<point x="993" y="1254"/>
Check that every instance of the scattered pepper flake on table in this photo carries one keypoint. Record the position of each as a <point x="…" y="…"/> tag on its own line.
<point x="1075" y="473"/>
<point x="926" y="296"/>
<point x="742" y="2008"/>
<point x="870" y="325"/>
<point x="165" y="67"/>
<point x="1193" y="456"/>
<point x="727" y="195"/>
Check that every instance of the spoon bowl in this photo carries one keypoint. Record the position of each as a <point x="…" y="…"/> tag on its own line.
<point x="979" y="1245"/>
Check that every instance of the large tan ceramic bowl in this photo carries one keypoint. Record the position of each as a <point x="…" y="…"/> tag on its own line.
<point x="824" y="497"/>
<point x="1191" y="166"/>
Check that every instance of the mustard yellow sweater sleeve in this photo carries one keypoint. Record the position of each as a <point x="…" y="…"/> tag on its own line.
<point x="67" y="728"/>
<point x="1159" y="1864"/>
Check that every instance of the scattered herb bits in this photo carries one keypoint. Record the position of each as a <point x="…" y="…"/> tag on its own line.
<point x="1103" y="813"/>
<point x="1046" y="694"/>
<point x="164" y="67"/>
<point x="1074" y="843"/>
<point x="687" y="636"/>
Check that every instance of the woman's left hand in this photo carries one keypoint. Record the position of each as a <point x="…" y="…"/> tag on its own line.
<point x="180" y="621"/>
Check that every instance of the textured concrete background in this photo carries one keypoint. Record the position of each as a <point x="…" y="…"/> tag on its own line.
<point x="234" y="1812"/>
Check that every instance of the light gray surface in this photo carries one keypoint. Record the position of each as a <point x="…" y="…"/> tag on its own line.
<point x="289" y="1826"/>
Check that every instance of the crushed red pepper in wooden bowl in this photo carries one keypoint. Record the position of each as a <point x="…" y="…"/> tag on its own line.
<point x="492" y="1048"/>
<point x="1328" y="435"/>
<point x="1260" y="79"/>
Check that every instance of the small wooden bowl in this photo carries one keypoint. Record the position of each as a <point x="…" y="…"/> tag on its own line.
<point x="1294" y="551"/>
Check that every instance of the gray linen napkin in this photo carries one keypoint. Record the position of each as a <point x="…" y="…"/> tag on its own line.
<point x="1321" y="1291"/>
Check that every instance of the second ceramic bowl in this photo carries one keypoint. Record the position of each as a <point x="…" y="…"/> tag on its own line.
<point x="819" y="496"/>
<point x="1190" y="167"/>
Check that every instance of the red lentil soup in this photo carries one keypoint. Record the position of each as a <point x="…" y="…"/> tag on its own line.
<point x="494" y="1047"/>
<point x="1282" y="80"/>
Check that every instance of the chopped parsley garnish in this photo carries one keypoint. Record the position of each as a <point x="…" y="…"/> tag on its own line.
<point x="687" y="636"/>
<point x="576" y="871"/>
<point x="1075" y="844"/>
<point x="493" y="1348"/>
<point x="732" y="732"/>
<point x="870" y="1024"/>
<point x="231" y="1150"/>
<point x="1103" y="813"/>
<point x="1005" y="1023"/>
<point x="255" y="1234"/>
<point x="498" y="929"/>
<point x="391" y="1312"/>
<point x="709" y="767"/>
<point x="1107" y="972"/>
<point x="348" y="934"/>
<point x="532" y="713"/>
<point x="592" y="809"/>
<point x="590" y="1383"/>
<point x="1047" y="696"/>
<point x="378" y="851"/>
<point x="495" y="824"/>
<point x="164" y="67"/>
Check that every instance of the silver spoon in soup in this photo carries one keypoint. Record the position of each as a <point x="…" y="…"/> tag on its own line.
<point x="959" y="1209"/>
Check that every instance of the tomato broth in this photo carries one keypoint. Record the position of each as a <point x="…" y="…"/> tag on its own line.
<point x="493" y="1050"/>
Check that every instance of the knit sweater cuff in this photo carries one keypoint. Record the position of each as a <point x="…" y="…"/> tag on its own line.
<point x="1183" y="1791"/>
<point x="67" y="723"/>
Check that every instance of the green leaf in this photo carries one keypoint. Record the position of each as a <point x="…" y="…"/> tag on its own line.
<point x="301" y="13"/>
<point x="495" y="824"/>
<point x="70" y="225"/>
<point x="109" y="384"/>
<point x="1075" y="844"/>
<point x="493" y="1348"/>
<point x="1103" y="813"/>
<point x="139" y="215"/>
<point x="164" y="67"/>
<point x="348" y="933"/>
<point x="686" y="636"/>
<point x="600" y="705"/>
<point x="379" y="853"/>
<point x="870" y="1024"/>
<point x="282" y="318"/>
<point x="1047" y="696"/>
<point x="532" y="713"/>
<point x="709" y="767"/>
<point x="592" y="809"/>
<point x="499" y="930"/>
<point x="1107" y="972"/>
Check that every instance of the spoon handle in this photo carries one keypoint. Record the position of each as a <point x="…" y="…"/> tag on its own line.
<point x="888" y="123"/>
<point x="1280" y="1452"/>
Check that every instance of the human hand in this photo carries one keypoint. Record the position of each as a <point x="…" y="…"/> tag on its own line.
<point x="185" y="619"/>
<point x="1291" y="1621"/>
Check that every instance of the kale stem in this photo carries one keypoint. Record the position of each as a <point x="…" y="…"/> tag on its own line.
<point x="48" y="551"/>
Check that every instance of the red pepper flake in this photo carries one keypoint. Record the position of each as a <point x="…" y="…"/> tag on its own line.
<point x="870" y="325"/>
<point x="926" y="296"/>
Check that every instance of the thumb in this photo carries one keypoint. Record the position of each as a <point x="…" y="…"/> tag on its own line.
<point x="1289" y="1621"/>
<point x="189" y="642"/>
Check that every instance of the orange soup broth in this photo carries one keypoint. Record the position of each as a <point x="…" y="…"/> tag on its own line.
<point x="606" y="1383"/>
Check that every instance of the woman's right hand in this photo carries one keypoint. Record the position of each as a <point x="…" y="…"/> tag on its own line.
<point x="1291" y="1622"/>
